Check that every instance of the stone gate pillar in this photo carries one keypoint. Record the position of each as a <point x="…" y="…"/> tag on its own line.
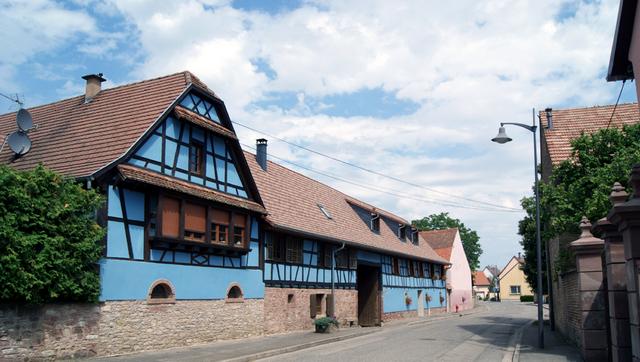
<point x="627" y="216"/>
<point x="593" y="329"/>
<point x="618" y="305"/>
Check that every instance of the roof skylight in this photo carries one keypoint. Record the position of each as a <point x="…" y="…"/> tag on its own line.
<point x="325" y="212"/>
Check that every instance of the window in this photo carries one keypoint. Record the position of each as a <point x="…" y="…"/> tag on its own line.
<point x="420" y="269"/>
<point x="402" y="231"/>
<point x="342" y="258"/>
<point x="196" y="158"/>
<point x="219" y="226"/>
<point x="436" y="271"/>
<point x="395" y="267"/>
<point x="239" y="226"/>
<point x="195" y="222"/>
<point x="414" y="236"/>
<point x="426" y="270"/>
<point x="275" y="248"/>
<point x="326" y="212"/>
<point x="411" y="268"/>
<point x="375" y="223"/>
<point x="326" y="255"/>
<point x="182" y="219"/>
<point x="153" y="215"/>
<point x="160" y="292"/>
<point x="315" y="304"/>
<point x="294" y="250"/>
<point x="515" y="289"/>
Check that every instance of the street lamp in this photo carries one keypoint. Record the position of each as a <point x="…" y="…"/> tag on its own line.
<point x="503" y="138"/>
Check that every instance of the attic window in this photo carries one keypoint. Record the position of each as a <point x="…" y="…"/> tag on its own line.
<point x="414" y="236"/>
<point x="402" y="231"/>
<point x="325" y="212"/>
<point x="375" y="223"/>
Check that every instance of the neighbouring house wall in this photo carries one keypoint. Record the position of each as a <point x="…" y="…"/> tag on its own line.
<point x="634" y="50"/>
<point x="83" y="330"/>
<point x="289" y="309"/>
<point x="513" y="275"/>
<point x="459" y="277"/>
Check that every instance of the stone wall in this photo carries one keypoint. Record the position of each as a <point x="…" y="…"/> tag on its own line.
<point x="289" y="309"/>
<point x="392" y="316"/>
<point x="82" y="330"/>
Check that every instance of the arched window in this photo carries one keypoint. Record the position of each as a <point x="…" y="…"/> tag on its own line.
<point x="234" y="293"/>
<point x="161" y="291"/>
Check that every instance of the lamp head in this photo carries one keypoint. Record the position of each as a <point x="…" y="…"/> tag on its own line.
<point x="501" y="137"/>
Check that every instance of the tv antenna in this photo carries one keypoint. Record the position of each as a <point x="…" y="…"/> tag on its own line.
<point x="19" y="141"/>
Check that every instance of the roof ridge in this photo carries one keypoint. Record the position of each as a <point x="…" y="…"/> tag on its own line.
<point x="184" y="73"/>
<point x="592" y="107"/>
<point x="346" y="196"/>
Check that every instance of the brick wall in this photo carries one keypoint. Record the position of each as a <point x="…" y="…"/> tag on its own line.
<point x="289" y="309"/>
<point x="568" y="309"/>
<point x="82" y="330"/>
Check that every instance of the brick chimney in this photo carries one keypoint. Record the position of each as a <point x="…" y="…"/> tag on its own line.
<point x="94" y="83"/>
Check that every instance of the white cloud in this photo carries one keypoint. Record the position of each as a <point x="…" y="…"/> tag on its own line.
<point x="468" y="64"/>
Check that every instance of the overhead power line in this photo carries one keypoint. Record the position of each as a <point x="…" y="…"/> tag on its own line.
<point x="386" y="191"/>
<point x="376" y="172"/>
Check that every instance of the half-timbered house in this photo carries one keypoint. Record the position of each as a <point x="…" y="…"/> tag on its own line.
<point x="205" y="241"/>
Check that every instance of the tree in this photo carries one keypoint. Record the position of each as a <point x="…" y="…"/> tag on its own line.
<point x="49" y="239"/>
<point x="579" y="186"/>
<point x="470" y="239"/>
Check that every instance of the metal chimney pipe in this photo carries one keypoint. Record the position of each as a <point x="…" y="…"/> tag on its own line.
<point x="261" y="152"/>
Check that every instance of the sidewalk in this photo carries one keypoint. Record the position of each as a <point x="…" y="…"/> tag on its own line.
<point x="249" y="349"/>
<point x="556" y="348"/>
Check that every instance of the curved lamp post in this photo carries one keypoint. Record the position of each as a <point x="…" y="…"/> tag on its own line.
<point x="503" y="138"/>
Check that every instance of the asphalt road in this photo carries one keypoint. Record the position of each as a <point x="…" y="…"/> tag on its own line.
<point x="484" y="336"/>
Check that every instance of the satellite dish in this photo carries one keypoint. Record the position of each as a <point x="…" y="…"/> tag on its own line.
<point x="19" y="143"/>
<point x="24" y="120"/>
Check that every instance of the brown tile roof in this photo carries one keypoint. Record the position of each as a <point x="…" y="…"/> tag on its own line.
<point x="441" y="241"/>
<point x="569" y="124"/>
<point x="480" y="279"/>
<point x="78" y="139"/>
<point x="292" y="199"/>
<point x="130" y="172"/>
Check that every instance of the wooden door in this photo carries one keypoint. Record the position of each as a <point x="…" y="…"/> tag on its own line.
<point x="368" y="283"/>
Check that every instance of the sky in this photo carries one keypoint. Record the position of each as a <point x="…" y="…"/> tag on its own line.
<point x="410" y="89"/>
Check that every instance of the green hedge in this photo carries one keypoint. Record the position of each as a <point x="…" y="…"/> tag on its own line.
<point x="526" y="298"/>
<point x="49" y="238"/>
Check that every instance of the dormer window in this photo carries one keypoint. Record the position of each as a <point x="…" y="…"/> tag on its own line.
<point x="196" y="158"/>
<point x="414" y="236"/>
<point x="375" y="223"/>
<point x="326" y="212"/>
<point x="402" y="231"/>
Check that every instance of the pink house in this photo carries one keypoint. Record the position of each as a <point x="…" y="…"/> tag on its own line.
<point x="448" y="245"/>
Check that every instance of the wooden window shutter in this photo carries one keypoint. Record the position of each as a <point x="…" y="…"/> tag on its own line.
<point x="220" y="217"/>
<point x="240" y="220"/>
<point x="170" y="217"/>
<point x="313" y="305"/>
<point x="195" y="218"/>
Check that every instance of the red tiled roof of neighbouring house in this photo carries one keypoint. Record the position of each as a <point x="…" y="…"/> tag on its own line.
<point x="292" y="201"/>
<point x="569" y="124"/>
<point x="441" y="241"/>
<point x="78" y="139"/>
<point x="480" y="279"/>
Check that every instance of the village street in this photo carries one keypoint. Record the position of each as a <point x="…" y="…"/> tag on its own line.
<point x="490" y="333"/>
<point x="484" y="336"/>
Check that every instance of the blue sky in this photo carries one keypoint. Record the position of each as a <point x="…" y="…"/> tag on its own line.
<point x="411" y="89"/>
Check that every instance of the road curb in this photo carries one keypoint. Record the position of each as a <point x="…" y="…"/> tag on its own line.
<point x="298" y="347"/>
<point x="514" y="344"/>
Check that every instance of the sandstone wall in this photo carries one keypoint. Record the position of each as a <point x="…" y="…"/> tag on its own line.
<point x="289" y="309"/>
<point x="83" y="330"/>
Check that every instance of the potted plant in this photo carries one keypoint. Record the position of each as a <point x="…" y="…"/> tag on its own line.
<point x="407" y="300"/>
<point x="325" y="324"/>
<point x="441" y="298"/>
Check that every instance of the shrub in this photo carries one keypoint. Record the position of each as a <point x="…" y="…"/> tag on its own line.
<point x="526" y="298"/>
<point x="48" y="238"/>
<point x="325" y="322"/>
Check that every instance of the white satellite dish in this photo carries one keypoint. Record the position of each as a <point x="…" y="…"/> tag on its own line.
<point x="19" y="143"/>
<point x="24" y="120"/>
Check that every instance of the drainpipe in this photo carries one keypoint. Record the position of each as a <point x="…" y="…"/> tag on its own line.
<point x="333" y="289"/>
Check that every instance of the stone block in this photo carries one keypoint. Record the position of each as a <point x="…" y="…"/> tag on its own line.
<point x="631" y="276"/>
<point x="633" y="308"/>
<point x="595" y="320"/>
<point x="589" y="263"/>
<point x="594" y="339"/>
<point x="593" y="300"/>
<point x="620" y="335"/>
<point x="618" y="305"/>
<point x="635" y="340"/>
<point x="590" y="281"/>
<point x="616" y="277"/>
<point x="614" y="253"/>
<point x="621" y="354"/>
